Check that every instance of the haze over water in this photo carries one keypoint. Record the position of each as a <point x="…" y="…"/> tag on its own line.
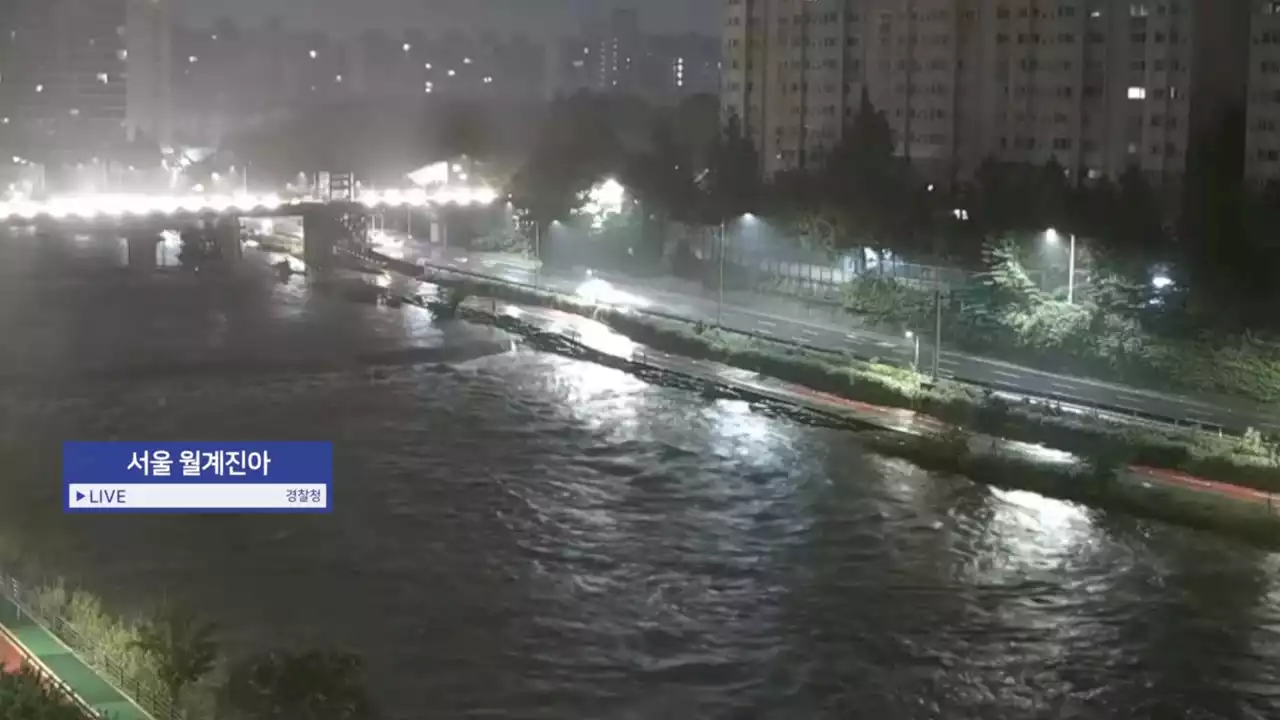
<point x="522" y="535"/>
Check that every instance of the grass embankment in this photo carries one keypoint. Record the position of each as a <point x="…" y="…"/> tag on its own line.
<point x="1079" y="338"/>
<point x="1248" y="461"/>
<point x="1095" y="483"/>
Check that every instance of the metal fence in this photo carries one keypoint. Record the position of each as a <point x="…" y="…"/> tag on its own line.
<point x="99" y="658"/>
<point x="53" y="680"/>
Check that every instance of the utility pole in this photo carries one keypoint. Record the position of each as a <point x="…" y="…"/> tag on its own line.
<point x="537" y="254"/>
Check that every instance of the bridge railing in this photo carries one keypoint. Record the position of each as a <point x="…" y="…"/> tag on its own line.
<point x="99" y="658"/>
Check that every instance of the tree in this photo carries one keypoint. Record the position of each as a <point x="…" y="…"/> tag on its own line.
<point x="1006" y="280"/>
<point x="864" y="176"/>
<point x="24" y="695"/>
<point x="183" y="649"/>
<point x="811" y="211"/>
<point x="733" y="174"/>
<point x="696" y="123"/>
<point x="662" y="176"/>
<point x="312" y="685"/>
<point x="662" y="179"/>
<point x="576" y="145"/>
<point x="1128" y="224"/>
<point x="463" y="131"/>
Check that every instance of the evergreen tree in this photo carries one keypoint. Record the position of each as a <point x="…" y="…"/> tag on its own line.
<point x="1005" y="279"/>
<point x="183" y="649"/>
<point x="864" y="175"/>
<point x="733" y="173"/>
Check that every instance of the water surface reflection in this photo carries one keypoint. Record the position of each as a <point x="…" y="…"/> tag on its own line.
<point x="529" y="535"/>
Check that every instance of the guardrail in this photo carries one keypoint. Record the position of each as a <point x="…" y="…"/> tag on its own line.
<point x="97" y="658"/>
<point x="1040" y="397"/>
<point x="32" y="663"/>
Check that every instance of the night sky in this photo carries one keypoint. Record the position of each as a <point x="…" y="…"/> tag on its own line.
<point x="540" y="17"/>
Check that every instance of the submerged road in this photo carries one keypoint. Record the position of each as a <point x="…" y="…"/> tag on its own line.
<point x="1230" y="414"/>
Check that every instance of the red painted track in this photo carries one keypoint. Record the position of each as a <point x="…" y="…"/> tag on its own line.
<point x="1167" y="477"/>
<point x="1190" y="482"/>
<point x="11" y="658"/>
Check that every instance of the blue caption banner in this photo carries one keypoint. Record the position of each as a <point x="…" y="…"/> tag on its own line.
<point x="175" y="477"/>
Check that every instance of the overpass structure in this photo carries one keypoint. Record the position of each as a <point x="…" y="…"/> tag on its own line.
<point x="326" y="222"/>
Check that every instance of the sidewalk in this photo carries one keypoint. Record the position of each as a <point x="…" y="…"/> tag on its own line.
<point x="53" y="657"/>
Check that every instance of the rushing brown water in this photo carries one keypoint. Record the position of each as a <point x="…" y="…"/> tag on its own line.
<point x="521" y="535"/>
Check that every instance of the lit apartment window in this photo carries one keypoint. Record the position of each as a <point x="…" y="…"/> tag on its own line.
<point x="1137" y="93"/>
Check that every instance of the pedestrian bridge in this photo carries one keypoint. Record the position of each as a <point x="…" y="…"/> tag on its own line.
<point x="327" y="223"/>
<point x="106" y="208"/>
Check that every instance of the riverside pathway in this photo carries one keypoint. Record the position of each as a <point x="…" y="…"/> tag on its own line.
<point x="23" y="637"/>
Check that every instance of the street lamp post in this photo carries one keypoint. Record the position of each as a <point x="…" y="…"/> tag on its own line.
<point x="1052" y="236"/>
<point x="537" y="254"/>
<point x="937" y="329"/>
<point x="1071" y="272"/>
<point x="720" y="284"/>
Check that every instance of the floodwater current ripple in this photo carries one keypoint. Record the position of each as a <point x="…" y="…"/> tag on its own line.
<point x="521" y="535"/>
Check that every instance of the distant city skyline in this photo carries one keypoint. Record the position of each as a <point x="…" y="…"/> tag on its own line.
<point x="542" y="18"/>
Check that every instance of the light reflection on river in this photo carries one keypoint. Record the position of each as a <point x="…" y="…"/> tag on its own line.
<point x="526" y="534"/>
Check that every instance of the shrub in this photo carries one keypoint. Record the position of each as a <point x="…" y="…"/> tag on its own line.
<point x="25" y="695"/>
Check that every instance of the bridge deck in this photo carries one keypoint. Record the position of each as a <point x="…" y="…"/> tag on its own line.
<point x="23" y="639"/>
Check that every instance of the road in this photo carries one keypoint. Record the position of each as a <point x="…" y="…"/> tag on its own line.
<point x="1231" y="414"/>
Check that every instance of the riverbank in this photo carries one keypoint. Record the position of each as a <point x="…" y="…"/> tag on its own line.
<point x="1096" y="480"/>
<point x="1249" y="462"/>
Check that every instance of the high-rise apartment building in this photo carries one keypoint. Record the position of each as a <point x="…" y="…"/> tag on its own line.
<point x="615" y="48"/>
<point x="676" y="66"/>
<point x="62" y="66"/>
<point x="1097" y="85"/>
<point x="149" y="73"/>
<point x="83" y="74"/>
<point x="613" y="55"/>
<point x="1262" y="143"/>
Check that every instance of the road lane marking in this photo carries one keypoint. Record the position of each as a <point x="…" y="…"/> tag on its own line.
<point x="948" y="361"/>
<point x="766" y="323"/>
<point x="1063" y="386"/>
<point x="1002" y="373"/>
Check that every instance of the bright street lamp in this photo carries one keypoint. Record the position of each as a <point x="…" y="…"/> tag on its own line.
<point x="1052" y="237"/>
<point x="915" y="358"/>
<point x="747" y="217"/>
